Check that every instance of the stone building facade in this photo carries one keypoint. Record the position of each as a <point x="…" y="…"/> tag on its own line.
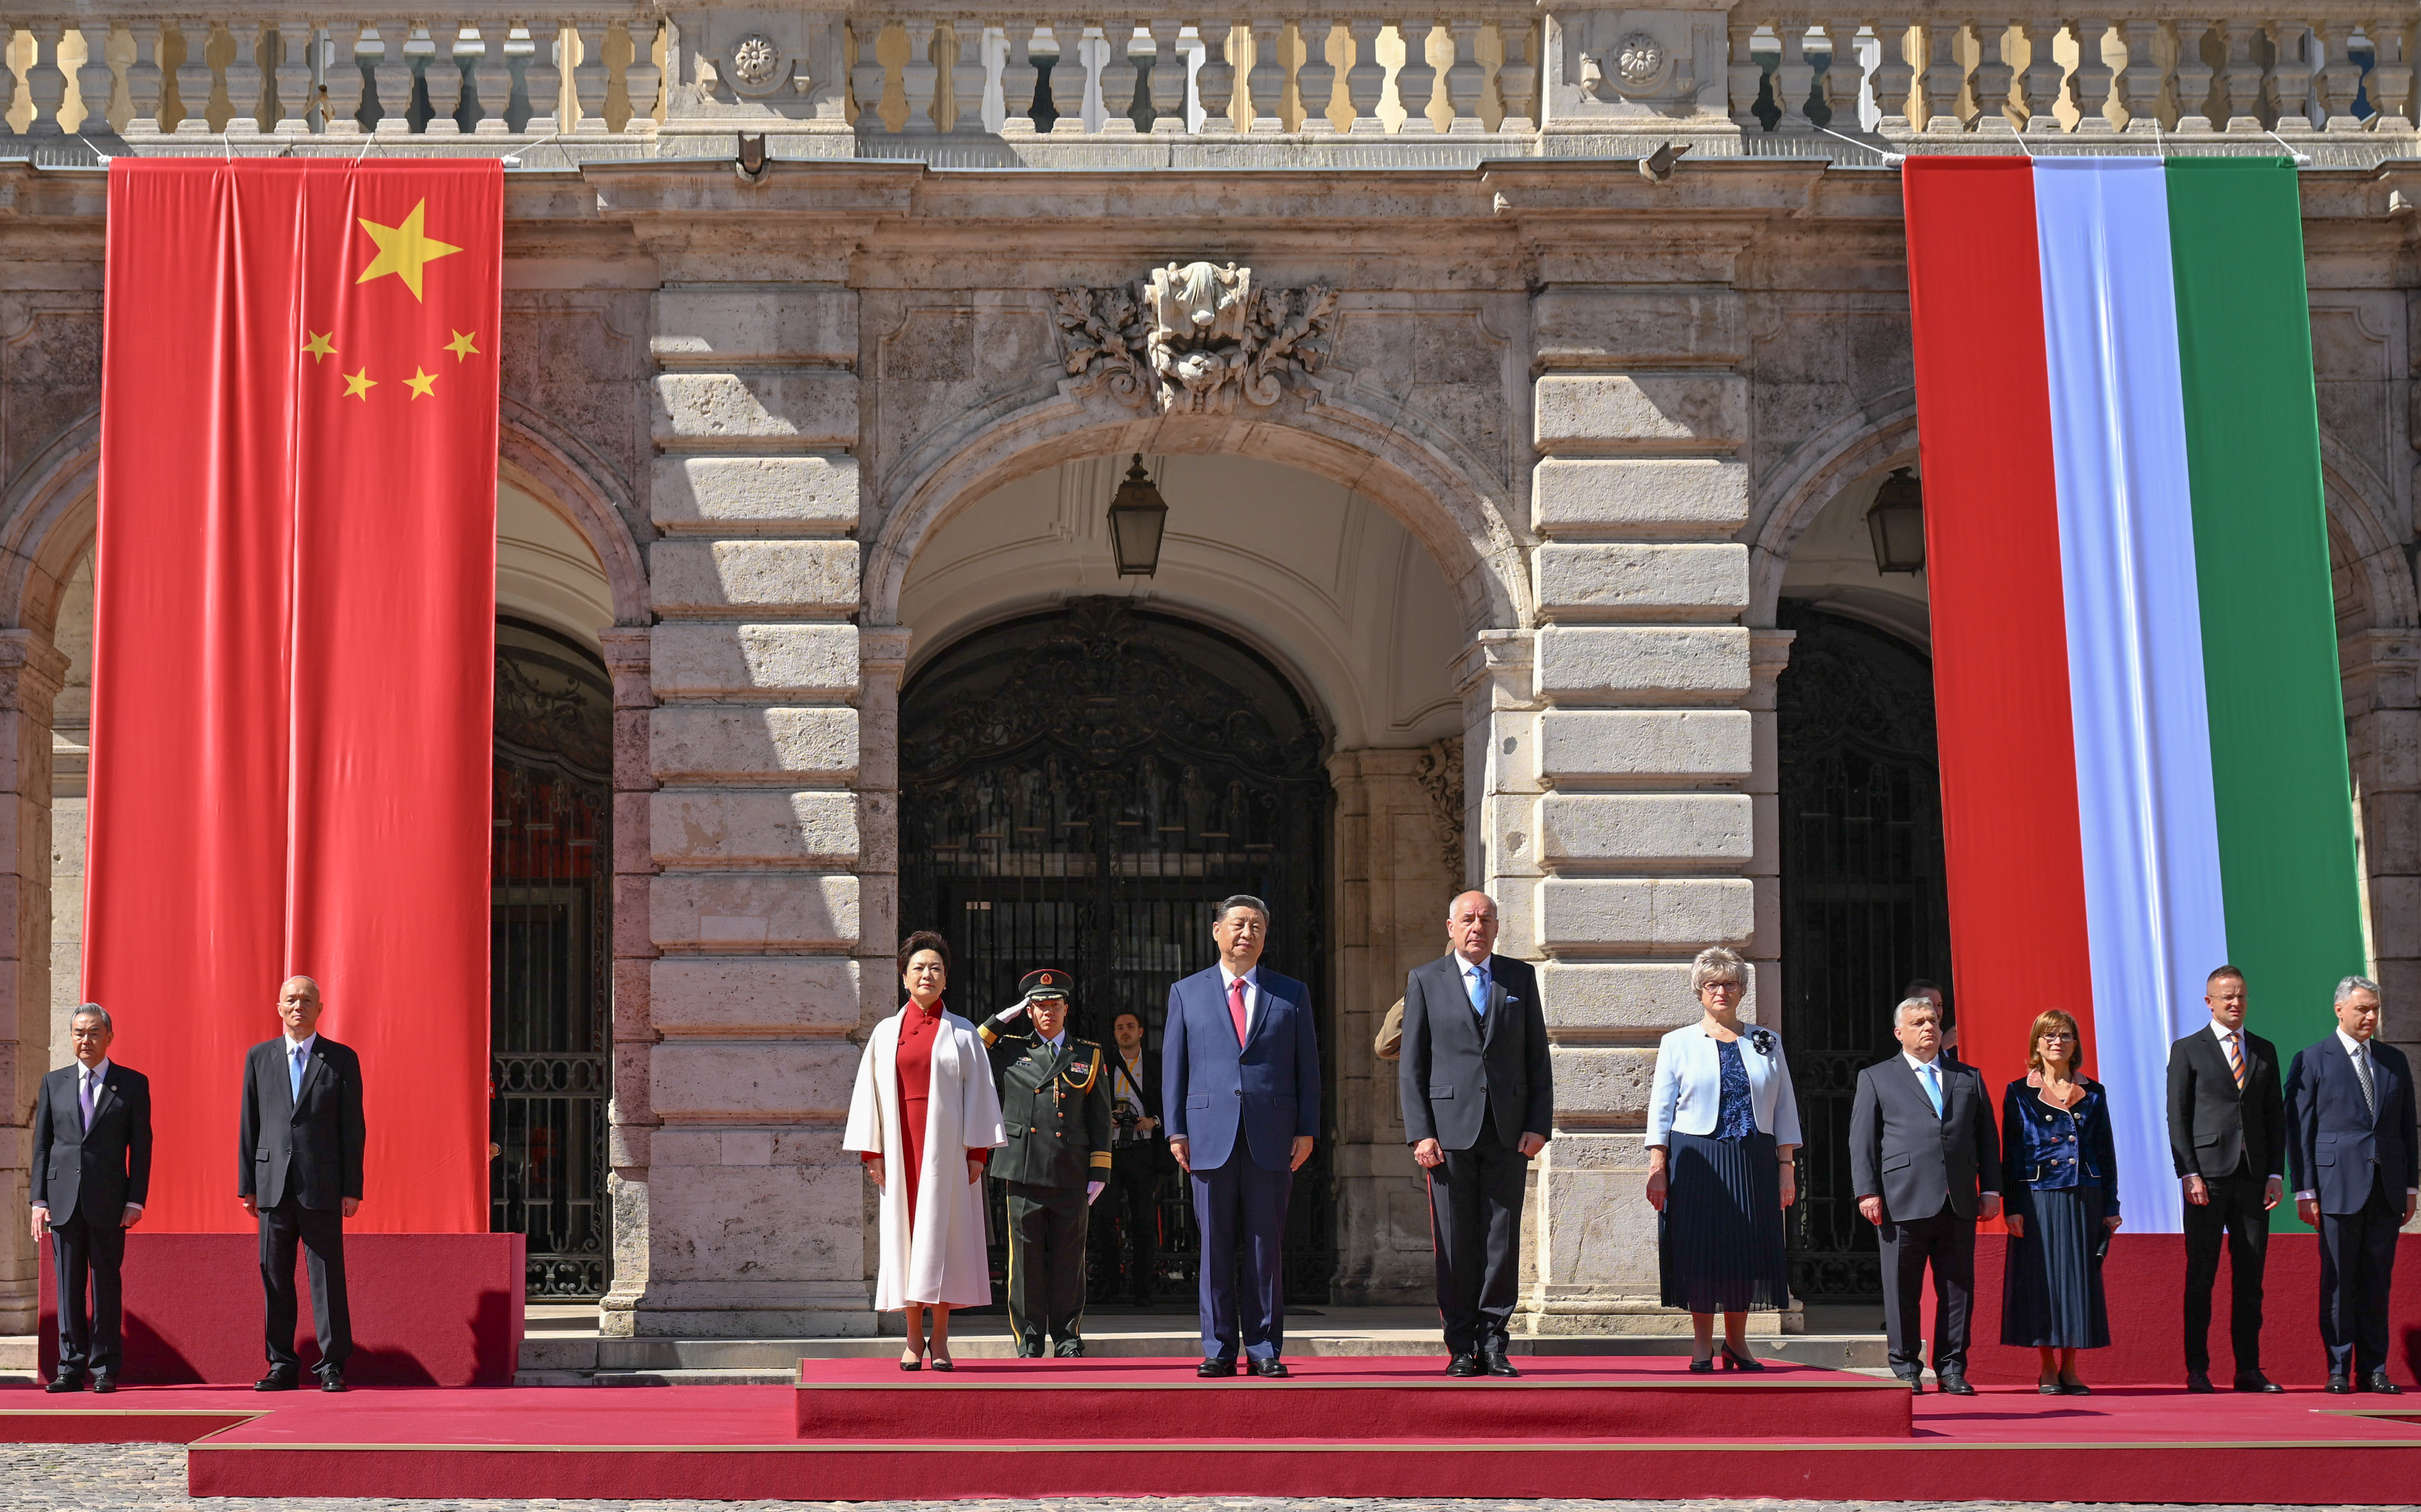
<point x="1522" y="448"/>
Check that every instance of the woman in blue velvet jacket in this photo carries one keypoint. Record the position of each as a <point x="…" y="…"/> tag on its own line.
<point x="2059" y="1178"/>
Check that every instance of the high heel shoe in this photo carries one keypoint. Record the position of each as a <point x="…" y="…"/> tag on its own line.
<point x="943" y="1361"/>
<point x="917" y="1364"/>
<point x="1734" y="1359"/>
<point x="2074" y="1388"/>
<point x="1700" y="1368"/>
<point x="2051" y="1387"/>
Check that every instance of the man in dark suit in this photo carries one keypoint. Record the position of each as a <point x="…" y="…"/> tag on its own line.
<point x="1054" y="1104"/>
<point x="1129" y="1212"/>
<point x="91" y="1177"/>
<point x="1922" y="1144"/>
<point x="2350" y="1135"/>
<point x="1239" y="1086"/>
<point x="2228" y="1137"/>
<point x="1479" y="1100"/>
<point x="299" y="1170"/>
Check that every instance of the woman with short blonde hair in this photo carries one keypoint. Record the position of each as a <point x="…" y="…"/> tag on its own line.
<point x="2059" y="1178"/>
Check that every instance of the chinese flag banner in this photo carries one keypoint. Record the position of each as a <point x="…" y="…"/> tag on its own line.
<point x="293" y="655"/>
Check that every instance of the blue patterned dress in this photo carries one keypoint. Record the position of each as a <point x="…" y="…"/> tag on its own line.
<point x="1719" y="1239"/>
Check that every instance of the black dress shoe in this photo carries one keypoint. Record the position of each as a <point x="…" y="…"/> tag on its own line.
<point x="2256" y="1381"/>
<point x="64" y="1381"/>
<point x="1072" y="1349"/>
<point x="2338" y="1386"/>
<point x="1209" y="1368"/>
<point x="1740" y="1360"/>
<point x="332" y="1380"/>
<point x="1461" y="1365"/>
<point x="2377" y="1381"/>
<point x="1495" y="1363"/>
<point x="1272" y="1368"/>
<point x="277" y="1381"/>
<point x="2048" y="1388"/>
<point x="104" y="1382"/>
<point x="2199" y="1383"/>
<point x="1953" y="1384"/>
<point x="2074" y="1388"/>
<point x="1915" y="1384"/>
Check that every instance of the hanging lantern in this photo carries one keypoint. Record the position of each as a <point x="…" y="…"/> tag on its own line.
<point x="1897" y="522"/>
<point x="1138" y="515"/>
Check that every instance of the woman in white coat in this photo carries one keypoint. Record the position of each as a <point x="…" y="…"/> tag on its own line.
<point x="1723" y="1125"/>
<point x="925" y="1118"/>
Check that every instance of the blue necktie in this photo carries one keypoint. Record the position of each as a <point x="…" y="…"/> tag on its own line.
<point x="1933" y="1086"/>
<point x="295" y="1075"/>
<point x="1478" y="975"/>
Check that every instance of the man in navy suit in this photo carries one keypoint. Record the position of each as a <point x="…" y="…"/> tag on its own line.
<point x="2349" y="1132"/>
<point x="1240" y="1067"/>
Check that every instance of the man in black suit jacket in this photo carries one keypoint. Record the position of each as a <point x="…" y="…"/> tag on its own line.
<point x="1129" y="1212"/>
<point x="2349" y="1132"/>
<point x="1925" y="1158"/>
<point x="1479" y="1100"/>
<point x="2228" y="1137"/>
<point x="299" y="1172"/>
<point x="92" y="1175"/>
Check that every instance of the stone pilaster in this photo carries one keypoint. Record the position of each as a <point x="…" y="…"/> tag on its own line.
<point x="30" y="676"/>
<point x="631" y="1119"/>
<point x="2383" y="682"/>
<point x="754" y="829"/>
<point x="1398" y="861"/>
<point x="1644" y="830"/>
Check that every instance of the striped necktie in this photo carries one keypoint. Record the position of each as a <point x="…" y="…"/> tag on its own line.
<point x="2235" y="1060"/>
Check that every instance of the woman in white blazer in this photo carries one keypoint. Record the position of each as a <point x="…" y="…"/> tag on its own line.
<point x="925" y="1118"/>
<point x="1723" y="1125"/>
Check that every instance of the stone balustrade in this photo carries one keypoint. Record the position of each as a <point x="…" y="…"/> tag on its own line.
<point x="1056" y="85"/>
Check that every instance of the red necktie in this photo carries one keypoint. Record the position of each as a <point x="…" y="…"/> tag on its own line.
<point x="1236" y="1008"/>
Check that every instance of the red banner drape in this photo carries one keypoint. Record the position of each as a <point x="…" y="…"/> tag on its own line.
<point x="294" y="654"/>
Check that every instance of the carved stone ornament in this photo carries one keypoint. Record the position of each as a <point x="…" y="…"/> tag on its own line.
<point x="753" y="60"/>
<point x="1440" y="770"/>
<point x="1192" y="338"/>
<point x="1639" y="61"/>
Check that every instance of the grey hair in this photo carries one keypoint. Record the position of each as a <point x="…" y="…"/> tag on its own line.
<point x="1242" y="900"/>
<point x="1470" y="892"/>
<point x="2349" y="985"/>
<point x="1900" y="1013"/>
<point x="96" y="1011"/>
<point x="1716" y="963"/>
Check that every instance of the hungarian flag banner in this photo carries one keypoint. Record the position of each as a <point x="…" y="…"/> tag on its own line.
<point x="2141" y="727"/>
<point x="294" y="654"/>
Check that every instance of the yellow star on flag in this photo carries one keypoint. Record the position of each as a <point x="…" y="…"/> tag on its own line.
<point x="358" y="385"/>
<point x="460" y="346"/>
<point x="422" y="383"/>
<point x="319" y="346"/>
<point x="403" y="250"/>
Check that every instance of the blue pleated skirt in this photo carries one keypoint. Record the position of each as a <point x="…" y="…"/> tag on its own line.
<point x="2051" y="1290"/>
<point x="1719" y="1240"/>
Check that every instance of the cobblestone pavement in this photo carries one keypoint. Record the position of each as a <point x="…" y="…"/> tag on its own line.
<point x="141" y="1478"/>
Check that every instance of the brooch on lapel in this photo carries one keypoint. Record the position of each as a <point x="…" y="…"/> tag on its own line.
<point x="1762" y="1040"/>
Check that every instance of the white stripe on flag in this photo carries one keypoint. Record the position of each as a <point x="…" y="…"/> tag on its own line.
<point x="2154" y="915"/>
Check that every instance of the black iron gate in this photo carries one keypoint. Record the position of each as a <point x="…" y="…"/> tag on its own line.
<point x="548" y="966"/>
<point x="1079" y="789"/>
<point x="1863" y="905"/>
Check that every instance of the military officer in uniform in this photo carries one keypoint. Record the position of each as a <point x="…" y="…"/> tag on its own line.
<point x="1054" y="1102"/>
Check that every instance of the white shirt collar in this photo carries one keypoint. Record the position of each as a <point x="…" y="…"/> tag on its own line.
<point x="303" y="1044"/>
<point x="1920" y="1065"/>
<point x="2352" y="1046"/>
<point x="2220" y="1032"/>
<point x="97" y="1072"/>
<point x="1251" y="978"/>
<point x="1487" y="965"/>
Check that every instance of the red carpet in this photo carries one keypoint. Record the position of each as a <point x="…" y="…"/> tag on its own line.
<point x="1395" y="1399"/>
<point x="739" y="1442"/>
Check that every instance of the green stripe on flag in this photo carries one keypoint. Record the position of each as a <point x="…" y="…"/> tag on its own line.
<point x="2269" y="624"/>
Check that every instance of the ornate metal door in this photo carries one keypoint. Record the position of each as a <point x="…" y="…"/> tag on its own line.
<point x="1863" y="905"/>
<point x="1080" y="790"/>
<point x="549" y="1013"/>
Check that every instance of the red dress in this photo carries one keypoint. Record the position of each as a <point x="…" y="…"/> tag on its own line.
<point x="913" y="1063"/>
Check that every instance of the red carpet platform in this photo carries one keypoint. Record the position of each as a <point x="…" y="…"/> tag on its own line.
<point x="1395" y="1399"/>
<point x="428" y="1309"/>
<point x="1727" y="1440"/>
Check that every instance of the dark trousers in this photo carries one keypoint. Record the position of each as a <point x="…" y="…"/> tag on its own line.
<point x="1947" y="1242"/>
<point x="1130" y="1218"/>
<point x="1476" y="1228"/>
<point x="2235" y="1215"/>
<point x="1046" y="1267"/>
<point x="2357" y="1261"/>
<point x="89" y="1335"/>
<point x="1241" y="1211"/>
<point x="320" y="1231"/>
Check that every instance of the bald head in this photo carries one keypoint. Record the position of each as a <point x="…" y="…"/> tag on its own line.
<point x="298" y="1007"/>
<point x="1471" y="926"/>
